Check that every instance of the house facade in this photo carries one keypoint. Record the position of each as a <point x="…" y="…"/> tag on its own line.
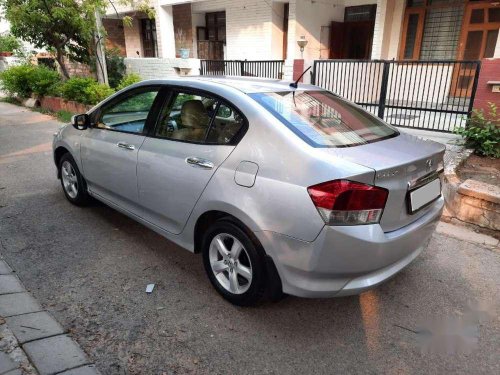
<point x="407" y="31"/>
<point x="339" y="29"/>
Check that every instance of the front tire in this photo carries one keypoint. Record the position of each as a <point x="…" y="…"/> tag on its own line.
<point x="234" y="264"/>
<point x="72" y="181"/>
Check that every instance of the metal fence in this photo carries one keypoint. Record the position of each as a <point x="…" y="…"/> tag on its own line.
<point x="261" y="68"/>
<point x="432" y="95"/>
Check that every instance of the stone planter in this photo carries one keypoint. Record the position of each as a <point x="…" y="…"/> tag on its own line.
<point x="471" y="201"/>
<point x="56" y="104"/>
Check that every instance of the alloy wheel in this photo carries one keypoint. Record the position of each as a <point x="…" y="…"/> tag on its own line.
<point x="69" y="179"/>
<point x="230" y="263"/>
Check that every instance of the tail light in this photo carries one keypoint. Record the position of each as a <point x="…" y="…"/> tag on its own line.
<point x="344" y="202"/>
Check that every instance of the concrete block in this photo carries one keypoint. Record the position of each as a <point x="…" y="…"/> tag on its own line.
<point x="10" y="284"/>
<point x="480" y="190"/>
<point x="18" y="303"/>
<point x="55" y="354"/>
<point x="85" y="370"/>
<point x="6" y="363"/>
<point x="29" y="327"/>
<point x="4" y="268"/>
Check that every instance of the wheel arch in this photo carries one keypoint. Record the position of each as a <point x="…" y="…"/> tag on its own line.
<point x="58" y="154"/>
<point x="275" y="286"/>
<point x="208" y="218"/>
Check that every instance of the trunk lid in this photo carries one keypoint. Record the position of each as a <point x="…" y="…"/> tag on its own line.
<point x="397" y="162"/>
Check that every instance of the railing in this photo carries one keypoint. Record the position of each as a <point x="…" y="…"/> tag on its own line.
<point x="257" y="68"/>
<point x="432" y="95"/>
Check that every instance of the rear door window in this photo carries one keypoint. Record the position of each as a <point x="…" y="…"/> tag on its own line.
<point x="199" y="118"/>
<point x="323" y="119"/>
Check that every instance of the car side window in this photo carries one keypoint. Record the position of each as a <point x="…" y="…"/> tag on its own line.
<point x="186" y="118"/>
<point x="227" y="123"/>
<point x="130" y="114"/>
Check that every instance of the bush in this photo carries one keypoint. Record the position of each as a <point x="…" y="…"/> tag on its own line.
<point x="128" y="80"/>
<point x="115" y="66"/>
<point x="97" y="92"/>
<point x="85" y="90"/>
<point x="42" y="79"/>
<point x="16" y="80"/>
<point x="9" y="43"/>
<point x="74" y="89"/>
<point x="482" y="132"/>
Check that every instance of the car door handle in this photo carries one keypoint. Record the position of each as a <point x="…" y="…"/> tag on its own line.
<point x="199" y="162"/>
<point x="125" y="146"/>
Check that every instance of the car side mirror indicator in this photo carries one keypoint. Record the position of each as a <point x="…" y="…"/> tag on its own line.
<point x="80" y="122"/>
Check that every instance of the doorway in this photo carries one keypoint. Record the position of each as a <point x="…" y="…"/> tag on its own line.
<point x="212" y="37"/>
<point x="148" y="34"/>
<point x="353" y="38"/>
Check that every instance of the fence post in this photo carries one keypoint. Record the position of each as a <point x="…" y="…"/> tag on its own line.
<point x="313" y="73"/>
<point x="474" y="88"/>
<point x="383" y="90"/>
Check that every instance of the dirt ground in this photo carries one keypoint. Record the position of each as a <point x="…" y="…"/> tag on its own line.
<point x="482" y="169"/>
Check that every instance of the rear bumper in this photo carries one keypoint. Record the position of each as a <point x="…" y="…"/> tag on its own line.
<point x="347" y="260"/>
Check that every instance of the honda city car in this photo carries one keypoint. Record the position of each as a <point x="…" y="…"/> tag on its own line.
<point x="282" y="188"/>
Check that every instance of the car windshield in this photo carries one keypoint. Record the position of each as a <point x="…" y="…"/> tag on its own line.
<point x="323" y="119"/>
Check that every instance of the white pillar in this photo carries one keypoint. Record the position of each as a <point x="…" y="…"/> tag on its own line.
<point x="378" y="32"/>
<point x="165" y="32"/>
<point x="497" y="48"/>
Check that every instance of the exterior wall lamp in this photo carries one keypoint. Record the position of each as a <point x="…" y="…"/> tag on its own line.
<point x="302" y="42"/>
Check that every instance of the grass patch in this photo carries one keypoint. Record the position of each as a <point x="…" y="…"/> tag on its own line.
<point x="10" y="100"/>
<point x="63" y="116"/>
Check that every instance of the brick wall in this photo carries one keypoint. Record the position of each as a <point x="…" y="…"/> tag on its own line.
<point x="490" y="71"/>
<point x="133" y="41"/>
<point x="182" y="21"/>
<point x="115" y="35"/>
<point x="160" y="68"/>
<point x="76" y="69"/>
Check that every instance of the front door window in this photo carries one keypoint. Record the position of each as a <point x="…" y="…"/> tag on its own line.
<point x="129" y="114"/>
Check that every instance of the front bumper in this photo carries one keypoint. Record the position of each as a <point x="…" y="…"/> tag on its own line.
<point x="347" y="260"/>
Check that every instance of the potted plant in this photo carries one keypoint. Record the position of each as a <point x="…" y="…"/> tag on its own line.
<point x="9" y="45"/>
<point x="182" y="43"/>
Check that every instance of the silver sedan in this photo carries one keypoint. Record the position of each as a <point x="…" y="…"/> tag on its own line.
<point x="282" y="189"/>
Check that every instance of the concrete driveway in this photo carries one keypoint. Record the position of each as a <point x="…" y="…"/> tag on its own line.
<point x="90" y="266"/>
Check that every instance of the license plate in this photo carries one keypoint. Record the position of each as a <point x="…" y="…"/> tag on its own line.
<point x="424" y="195"/>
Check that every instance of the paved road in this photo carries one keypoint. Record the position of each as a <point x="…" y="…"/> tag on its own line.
<point x="90" y="267"/>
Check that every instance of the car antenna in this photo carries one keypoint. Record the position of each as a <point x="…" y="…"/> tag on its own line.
<point x="296" y="83"/>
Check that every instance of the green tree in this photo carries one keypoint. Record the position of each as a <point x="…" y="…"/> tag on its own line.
<point x="65" y="26"/>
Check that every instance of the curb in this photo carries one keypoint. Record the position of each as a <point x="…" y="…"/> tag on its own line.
<point x="32" y="341"/>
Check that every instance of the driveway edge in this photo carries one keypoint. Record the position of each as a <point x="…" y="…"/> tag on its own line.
<point x="31" y="340"/>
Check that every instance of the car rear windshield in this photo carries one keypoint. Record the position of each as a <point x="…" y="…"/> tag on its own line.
<point x="323" y="119"/>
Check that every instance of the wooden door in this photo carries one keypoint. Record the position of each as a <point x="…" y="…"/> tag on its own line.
<point x="477" y="41"/>
<point x="358" y="40"/>
<point x="336" y="40"/>
<point x="149" y="44"/>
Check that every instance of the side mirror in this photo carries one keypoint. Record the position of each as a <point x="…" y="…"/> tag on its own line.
<point x="80" y="122"/>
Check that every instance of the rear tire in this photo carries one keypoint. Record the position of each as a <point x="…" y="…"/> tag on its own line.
<point x="234" y="264"/>
<point x="72" y="181"/>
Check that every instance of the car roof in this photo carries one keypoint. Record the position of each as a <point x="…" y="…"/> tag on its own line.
<point x="246" y="85"/>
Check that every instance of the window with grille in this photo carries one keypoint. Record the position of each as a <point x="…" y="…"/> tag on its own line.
<point x="431" y="29"/>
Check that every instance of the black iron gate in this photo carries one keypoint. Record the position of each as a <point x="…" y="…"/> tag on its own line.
<point x="431" y="95"/>
<point x="255" y="68"/>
